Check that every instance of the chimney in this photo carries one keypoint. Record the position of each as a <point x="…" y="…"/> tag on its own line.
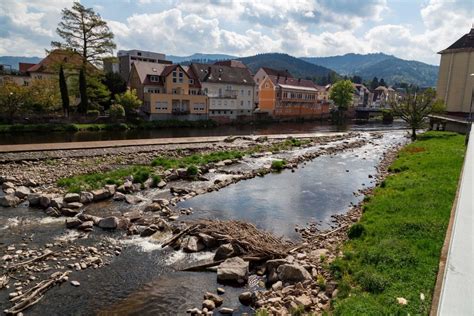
<point x="299" y="80"/>
<point x="278" y="78"/>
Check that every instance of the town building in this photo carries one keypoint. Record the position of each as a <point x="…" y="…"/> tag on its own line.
<point x="127" y="57"/>
<point x="229" y="87"/>
<point x="383" y="96"/>
<point x="168" y="91"/>
<point x="362" y="97"/>
<point x="287" y="97"/>
<point x="455" y="78"/>
<point x="263" y="73"/>
<point x="47" y="68"/>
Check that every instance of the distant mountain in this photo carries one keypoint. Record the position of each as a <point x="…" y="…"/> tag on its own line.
<point x="296" y="66"/>
<point x="14" y="60"/>
<point x="199" y="57"/>
<point x="392" y="69"/>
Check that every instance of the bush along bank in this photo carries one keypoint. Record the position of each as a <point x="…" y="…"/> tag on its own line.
<point x="72" y="127"/>
<point x="390" y="263"/>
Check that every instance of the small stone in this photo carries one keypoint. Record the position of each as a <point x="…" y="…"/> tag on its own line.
<point x="69" y="211"/>
<point x="87" y="225"/>
<point x="226" y="311"/>
<point x="161" y="185"/>
<point x="223" y="252"/>
<point x="86" y="197"/>
<point x="118" y="196"/>
<point x="246" y="298"/>
<point x="210" y="305"/>
<point x="214" y="297"/>
<point x="22" y="192"/>
<point x="220" y="290"/>
<point x="109" y="222"/>
<point x="402" y="301"/>
<point x="74" y="205"/>
<point x="422" y="296"/>
<point x="277" y="286"/>
<point x="72" y="197"/>
<point x="73" y="222"/>
<point x="75" y="283"/>
<point x="303" y="300"/>
<point x="9" y="200"/>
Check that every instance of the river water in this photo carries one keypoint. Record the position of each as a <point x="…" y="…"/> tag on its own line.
<point x="144" y="279"/>
<point x="259" y="129"/>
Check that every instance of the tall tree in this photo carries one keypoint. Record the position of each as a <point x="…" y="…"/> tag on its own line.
<point x="374" y="84"/>
<point x="83" y="92"/>
<point x="341" y="94"/>
<point x="413" y="108"/>
<point x="84" y="31"/>
<point x="382" y="82"/>
<point x="115" y="84"/>
<point x="64" y="92"/>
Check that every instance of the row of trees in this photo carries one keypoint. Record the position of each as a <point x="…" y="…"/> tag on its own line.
<point x="413" y="107"/>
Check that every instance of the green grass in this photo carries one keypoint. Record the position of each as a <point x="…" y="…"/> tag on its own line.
<point x="394" y="251"/>
<point x="98" y="180"/>
<point x="196" y="159"/>
<point x="278" y="165"/>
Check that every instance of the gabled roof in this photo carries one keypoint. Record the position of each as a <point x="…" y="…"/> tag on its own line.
<point x="466" y="42"/>
<point x="144" y="69"/>
<point x="23" y="67"/>
<point x="287" y="82"/>
<point x="231" y="63"/>
<point x="277" y="72"/>
<point x="222" y="74"/>
<point x="50" y="64"/>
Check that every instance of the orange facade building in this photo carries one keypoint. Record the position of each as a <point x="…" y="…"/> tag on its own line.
<point x="285" y="97"/>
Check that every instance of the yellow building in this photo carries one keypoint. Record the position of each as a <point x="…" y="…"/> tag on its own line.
<point x="455" y="83"/>
<point x="168" y="91"/>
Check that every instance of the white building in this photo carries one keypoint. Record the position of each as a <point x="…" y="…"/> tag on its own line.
<point x="127" y="57"/>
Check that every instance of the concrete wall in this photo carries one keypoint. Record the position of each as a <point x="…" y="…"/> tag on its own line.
<point x="454" y="81"/>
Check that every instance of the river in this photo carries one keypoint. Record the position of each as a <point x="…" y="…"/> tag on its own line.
<point x="144" y="280"/>
<point x="258" y="129"/>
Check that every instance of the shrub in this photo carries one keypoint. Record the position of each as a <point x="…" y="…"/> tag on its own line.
<point x="156" y="179"/>
<point x="116" y="111"/>
<point x="371" y="281"/>
<point x="356" y="231"/>
<point x="141" y="175"/>
<point x="192" y="170"/>
<point x="278" y="164"/>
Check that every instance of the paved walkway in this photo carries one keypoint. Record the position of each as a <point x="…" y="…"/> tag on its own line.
<point x="457" y="289"/>
<point x="141" y="142"/>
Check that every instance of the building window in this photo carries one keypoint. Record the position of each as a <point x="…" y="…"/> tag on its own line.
<point x="154" y="78"/>
<point x="249" y="92"/>
<point x="248" y="102"/>
<point x="242" y="103"/>
<point x="266" y="85"/>
<point x="191" y="81"/>
<point x="242" y="93"/>
<point x="161" y="105"/>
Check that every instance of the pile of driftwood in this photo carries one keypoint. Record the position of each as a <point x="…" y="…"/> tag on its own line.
<point x="35" y="294"/>
<point x="248" y="241"/>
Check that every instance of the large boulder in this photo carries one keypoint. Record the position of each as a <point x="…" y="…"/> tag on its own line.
<point x="9" y="200"/>
<point x="150" y="230"/>
<point x="101" y="194"/>
<point x="33" y="199"/>
<point x="51" y="211"/>
<point x="44" y="201"/>
<point x="133" y="199"/>
<point x="86" y="197"/>
<point x="72" y="197"/>
<point x="292" y="273"/>
<point x="65" y="211"/>
<point x="233" y="270"/>
<point x="214" y="297"/>
<point x="73" y="222"/>
<point x="7" y="185"/>
<point x="22" y="191"/>
<point x="192" y="244"/>
<point x="223" y="252"/>
<point x="271" y="269"/>
<point x="74" y="205"/>
<point x="57" y="202"/>
<point x="109" y="222"/>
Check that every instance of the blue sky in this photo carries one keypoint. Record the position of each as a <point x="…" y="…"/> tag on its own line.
<point x="410" y="29"/>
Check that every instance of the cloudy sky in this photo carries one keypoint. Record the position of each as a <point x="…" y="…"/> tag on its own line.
<point x="410" y="29"/>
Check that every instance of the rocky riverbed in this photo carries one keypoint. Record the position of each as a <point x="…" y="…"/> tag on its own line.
<point x="152" y="211"/>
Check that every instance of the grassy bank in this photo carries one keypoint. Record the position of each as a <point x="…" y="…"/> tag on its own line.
<point x="72" y="127"/>
<point x="191" y="162"/>
<point x="97" y="180"/>
<point x="394" y="251"/>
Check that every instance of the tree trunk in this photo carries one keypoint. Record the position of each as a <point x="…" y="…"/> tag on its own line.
<point x="413" y="134"/>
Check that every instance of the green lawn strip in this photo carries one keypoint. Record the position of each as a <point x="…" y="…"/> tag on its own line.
<point x="98" y="180"/>
<point x="395" y="250"/>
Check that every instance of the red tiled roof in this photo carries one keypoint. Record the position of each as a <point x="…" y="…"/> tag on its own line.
<point x="23" y="67"/>
<point x="292" y="82"/>
<point x="50" y="64"/>
<point x="277" y="72"/>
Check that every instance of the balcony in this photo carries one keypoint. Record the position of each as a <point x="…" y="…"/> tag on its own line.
<point x="180" y="111"/>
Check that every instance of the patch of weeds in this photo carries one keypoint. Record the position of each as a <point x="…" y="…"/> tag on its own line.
<point x="355" y="231"/>
<point x="278" y="165"/>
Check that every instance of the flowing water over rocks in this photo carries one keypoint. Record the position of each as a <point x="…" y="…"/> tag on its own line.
<point x="139" y="277"/>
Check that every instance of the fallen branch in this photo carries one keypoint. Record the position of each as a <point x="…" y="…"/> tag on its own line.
<point x="173" y="239"/>
<point x="35" y="294"/>
<point x="18" y="265"/>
